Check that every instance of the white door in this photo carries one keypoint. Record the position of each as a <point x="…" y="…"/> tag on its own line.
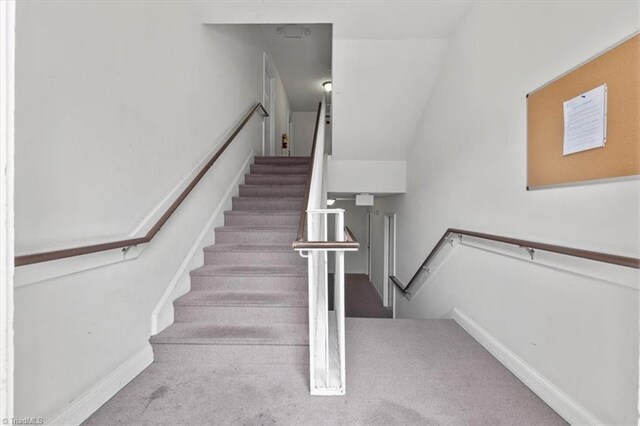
<point x="389" y="268"/>
<point x="267" y="143"/>
<point x="369" y="245"/>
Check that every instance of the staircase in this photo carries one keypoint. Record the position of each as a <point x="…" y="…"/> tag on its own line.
<point x="248" y="304"/>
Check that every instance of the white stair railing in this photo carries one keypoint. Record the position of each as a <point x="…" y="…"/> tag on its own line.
<point x="326" y="326"/>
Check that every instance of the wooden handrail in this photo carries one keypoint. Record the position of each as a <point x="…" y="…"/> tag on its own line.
<point x="46" y="256"/>
<point x="629" y="262"/>
<point x="351" y="242"/>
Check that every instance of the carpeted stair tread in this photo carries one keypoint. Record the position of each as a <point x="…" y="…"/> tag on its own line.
<point x="282" y="160"/>
<point x="300" y="198"/>
<point x="243" y="299"/>
<point x="280" y="169"/>
<point x="263" y="212"/>
<point x="257" y="271"/>
<point x="285" y="334"/>
<point x="273" y="191"/>
<point x="274" y="179"/>
<point x="276" y="203"/>
<point x="286" y="248"/>
<point x="267" y="187"/>
<point x="256" y="228"/>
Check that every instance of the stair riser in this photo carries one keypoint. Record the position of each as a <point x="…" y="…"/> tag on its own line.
<point x="253" y="258"/>
<point x="255" y="237"/>
<point x="270" y="169"/>
<point x="261" y="220"/>
<point x="258" y="179"/>
<point x="244" y="283"/>
<point x="272" y="191"/>
<point x="266" y="204"/>
<point x="282" y="160"/>
<point x="241" y="315"/>
<point x="231" y="355"/>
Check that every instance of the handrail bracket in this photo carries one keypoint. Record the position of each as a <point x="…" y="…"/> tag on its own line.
<point x="530" y="251"/>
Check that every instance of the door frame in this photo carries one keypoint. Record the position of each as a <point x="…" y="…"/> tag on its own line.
<point x="269" y="72"/>
<point x="288" y="129"/>
<point x="7" y="132"/>
<point x="369" y="224"/>
<point x="389" y="262"/>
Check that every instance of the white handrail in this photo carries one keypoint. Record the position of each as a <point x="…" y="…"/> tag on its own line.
<point x="326" y="327"/>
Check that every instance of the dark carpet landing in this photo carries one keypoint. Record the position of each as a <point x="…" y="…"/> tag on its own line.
<point x="361" y="298"/>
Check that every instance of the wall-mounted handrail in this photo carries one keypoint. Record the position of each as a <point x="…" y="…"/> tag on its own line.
<point x="351" y="242"/>
<point x="629" y="262"/>
<point x="95" y="248"/>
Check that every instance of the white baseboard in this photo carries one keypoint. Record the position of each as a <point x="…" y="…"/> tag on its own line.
<point x="185" y="267"/>
<point x="564" y="405"/>
<point x="80" y="409"/>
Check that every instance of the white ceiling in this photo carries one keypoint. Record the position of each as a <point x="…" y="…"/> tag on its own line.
<point x="303" y="63"/>
<point x="357" y="19"/>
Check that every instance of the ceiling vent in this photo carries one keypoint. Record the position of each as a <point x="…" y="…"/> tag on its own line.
<point x="293" y="31"/>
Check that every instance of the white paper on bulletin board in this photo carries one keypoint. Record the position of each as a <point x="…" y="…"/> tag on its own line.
<point x="585" y="121"/>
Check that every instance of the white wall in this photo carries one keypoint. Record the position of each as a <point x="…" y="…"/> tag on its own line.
<point x="116" y="103"/>
<point x="467" y="169"/>
<point x="304" y="124"/>
<point x="7" y="104"/>
<point x="364" y="176"/>
<point x="380" y="88"/>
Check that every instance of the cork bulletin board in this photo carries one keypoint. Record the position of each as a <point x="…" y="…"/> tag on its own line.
<point x="619" y="158"/>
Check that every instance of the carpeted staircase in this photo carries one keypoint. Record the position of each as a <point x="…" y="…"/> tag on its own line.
<point x="248" y="304"/>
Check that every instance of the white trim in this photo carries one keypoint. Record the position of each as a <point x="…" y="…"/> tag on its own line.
<point x="369" y="248"/>
<point x="389" y="265"/>
<point x="7" y="106"/>
<point x="187" y="263"/>
<point x="385" y="258"/>
<point x="564" y="405"/>
<point x="269" y="69"/>
<point x="87" y="404"/>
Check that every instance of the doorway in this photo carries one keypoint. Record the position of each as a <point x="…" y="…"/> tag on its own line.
<point x="389" y="268"/>
<point x="269" y="102"/>
<point x="369" y="246"/>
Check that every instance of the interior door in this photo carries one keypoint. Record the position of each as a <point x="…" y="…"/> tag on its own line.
<point x="266" y="102"/>
<point x="389" y="262"/>
<point x="369" y="245"/>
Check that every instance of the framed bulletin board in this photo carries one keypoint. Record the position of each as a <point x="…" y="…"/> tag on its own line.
<point x="618" y="156"/>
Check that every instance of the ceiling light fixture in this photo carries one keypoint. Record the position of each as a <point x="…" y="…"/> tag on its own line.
<point x="328" y="86"/>
<point x="331" y="202"/>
